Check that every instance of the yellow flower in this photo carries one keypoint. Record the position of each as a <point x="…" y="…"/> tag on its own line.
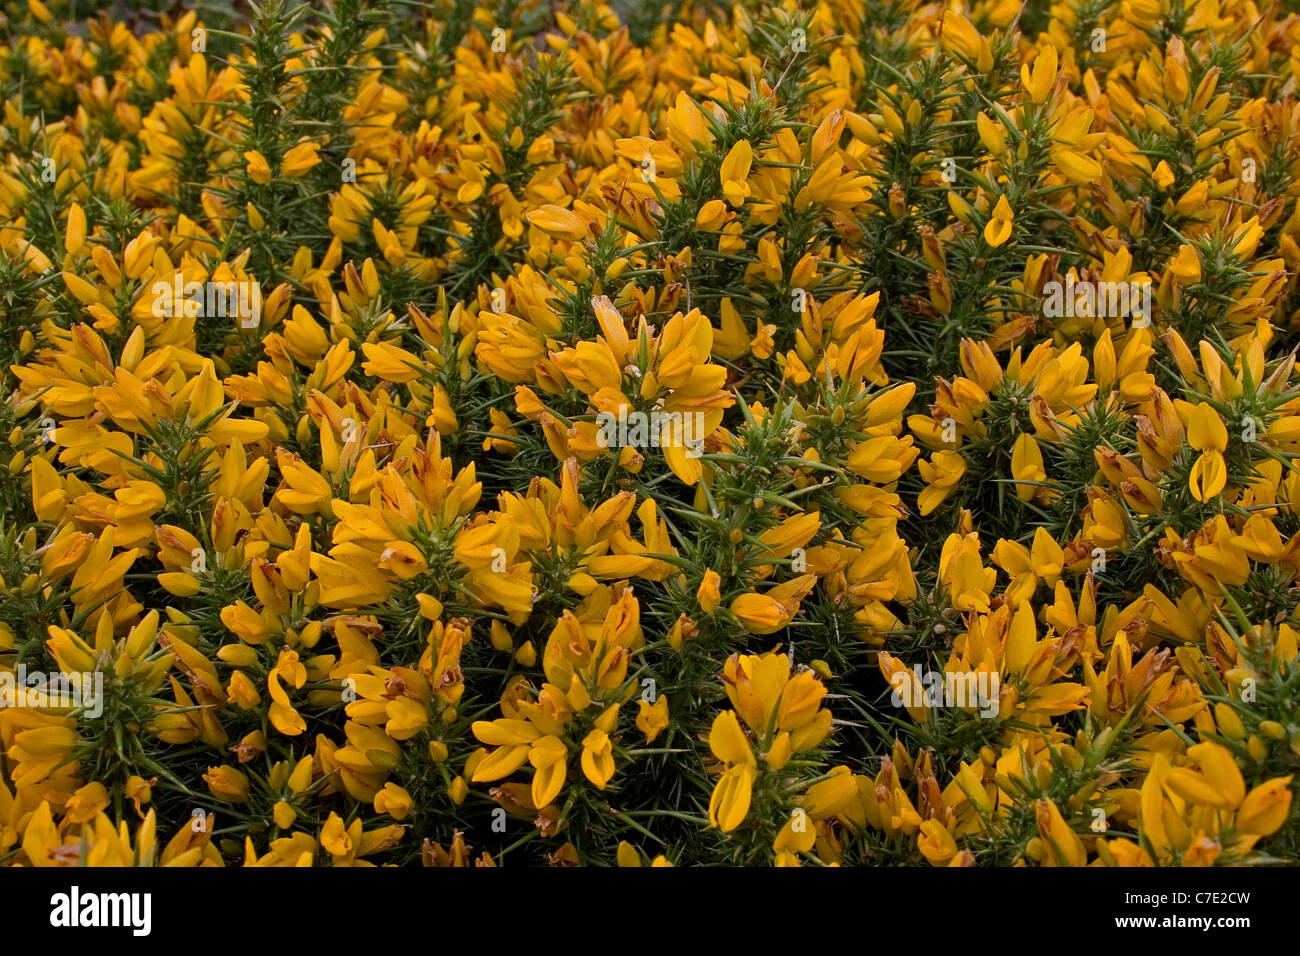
<point x="227" y="784"/>
<point x="936" y="843"/>
<point x="559" y="222"/>
<point x="798" y="834"/>
<point x="735" y="173"/>
<point x="394" y="801"/>
<point x="1266" y="808"/>
<point x="731" y="797"/>
<point x="727" y="740"/>
<point x="708" y="594"/>
<point x="998" y="229"/>
<point x="242" y="692"/>
<point x="1186" y="265"/>
<point x="74" y="239"/>
<point x="549" y="757"/>
<point x="941" y="474"/>
<point x="336" y="837"/>
<point x="991" y="134"/>
<point x="1062" y="845"/>
<point x="598" y="758"/>
<point x="1206" y="433"/>
<point x="257" y="168"/>
<point x="712" y="216"/>
<point x="87" y="802"/>
<point x="769" y="612"/>
<point x="1038" y="80"/>
<point x="1027" y="466"/>
<point x="652" y="719"/>
<point x="298" y="160"/>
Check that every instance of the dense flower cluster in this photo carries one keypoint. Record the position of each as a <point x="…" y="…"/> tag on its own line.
<point x="658" y="434"/>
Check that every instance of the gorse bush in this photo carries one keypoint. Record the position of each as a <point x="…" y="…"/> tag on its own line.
<point x="655" y="434"/>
